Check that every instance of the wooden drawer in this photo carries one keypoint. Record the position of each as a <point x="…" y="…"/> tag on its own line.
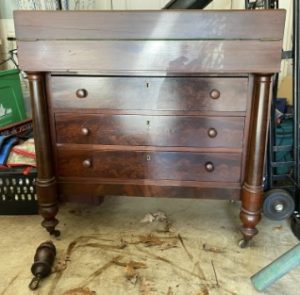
<point x="174" y="131"/>
<point x="158" y="165"/>
<point x="150" y="93"/>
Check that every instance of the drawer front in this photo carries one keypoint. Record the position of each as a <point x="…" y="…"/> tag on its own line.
<point x="174" y="131"/>
<point x="152" y="93"/>
<point x="179" y="166"/>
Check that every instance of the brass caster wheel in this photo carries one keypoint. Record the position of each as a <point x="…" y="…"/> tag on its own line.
<point x="243" y="243"/>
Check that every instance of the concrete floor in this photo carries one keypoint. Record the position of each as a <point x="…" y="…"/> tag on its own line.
<point x="201" y="236"/>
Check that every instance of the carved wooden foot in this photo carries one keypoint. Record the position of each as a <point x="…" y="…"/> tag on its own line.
<point x="250" y="215"/>
<point x="49" y="211"/>
<point x="48" y="205"/>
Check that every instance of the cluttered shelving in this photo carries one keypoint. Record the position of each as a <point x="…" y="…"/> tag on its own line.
<point x="17" y="151"/>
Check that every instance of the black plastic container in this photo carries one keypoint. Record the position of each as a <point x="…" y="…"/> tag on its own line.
<point x="18" y="192"/>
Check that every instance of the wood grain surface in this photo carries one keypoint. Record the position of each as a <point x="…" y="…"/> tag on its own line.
<point x="164" y="24"/>
<point x="150" y="93"/>
<point x="149" y="165"/>
<point x="139" y="130"/>
<point x="183" y="56"/>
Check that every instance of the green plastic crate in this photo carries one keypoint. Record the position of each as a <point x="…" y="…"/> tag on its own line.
<point x="12" y="108"/>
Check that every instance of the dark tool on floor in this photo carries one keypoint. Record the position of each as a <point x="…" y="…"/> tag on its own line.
<point x="295" y="224"/>
<point x="277" y="269"/>
<point x="43" y="261"/>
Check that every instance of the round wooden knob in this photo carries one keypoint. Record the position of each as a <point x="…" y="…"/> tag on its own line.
<point x="85" y="131"/>
<point x="209" y="167"/>
<point x="212" y="132"/>
<point x="87" y="163"/>
<point x="81" y="93"/>
<point x="215" y="94"/>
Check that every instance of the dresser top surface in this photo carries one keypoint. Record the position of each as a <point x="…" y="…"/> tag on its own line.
<point x="150" y="25"/>
<point x="180" y="41"/>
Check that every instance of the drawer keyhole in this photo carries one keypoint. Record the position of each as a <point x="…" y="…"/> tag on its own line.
<point x="148" y="158"/>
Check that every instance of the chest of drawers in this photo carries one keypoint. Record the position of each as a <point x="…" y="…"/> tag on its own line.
<point x="158" y="104"/>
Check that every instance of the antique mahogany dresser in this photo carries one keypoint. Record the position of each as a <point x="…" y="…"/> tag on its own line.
<point x="150" y="103"/>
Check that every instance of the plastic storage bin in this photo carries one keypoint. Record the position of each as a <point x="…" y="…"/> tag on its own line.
<point x="284" y="136"/>
<point x="12" y="108"/>
<point x="18" y="193"/>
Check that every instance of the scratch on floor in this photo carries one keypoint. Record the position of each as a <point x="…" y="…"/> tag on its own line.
<point x="151" y="240"/>
<point x="208" y="248"/>
<point x="157" y="257"/>
<point x="80" y="291"/>
<point x="197" y="265"/>
<point x="146" y="287"/>
<point x="83" y="285"/>
<point x="55" y="281"/>
<point x="217" y="282"/>
<point x="204" y="289"/>
<point x="84" y="241"/>
<point x="10" y="283"/>
<point x="184" y="247"/>
<point x="59" y="271"/>
<point x="170" y="291"/>
<point x="229" y="292"/>
<point x="200" y="271"/>
<point x="131" y="267"/>
<point x="102" y="246"/>
<point x="100" y="270"/>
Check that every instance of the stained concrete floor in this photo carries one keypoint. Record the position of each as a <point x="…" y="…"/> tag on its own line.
<point x="193" y="252"/>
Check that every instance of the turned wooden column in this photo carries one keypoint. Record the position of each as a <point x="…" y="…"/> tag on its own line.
<point x="45" y="183"/>
<point x="252" y="191"/>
